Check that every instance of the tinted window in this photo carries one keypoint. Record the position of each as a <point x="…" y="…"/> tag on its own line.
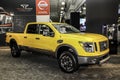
<point x="65" y="28"/>
<point x="32" y="28"/>
<point x="45" y="30"/>
<point x="39" y="29"/>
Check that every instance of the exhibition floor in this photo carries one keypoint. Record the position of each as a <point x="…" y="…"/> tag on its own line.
<point x="34" y="66"/>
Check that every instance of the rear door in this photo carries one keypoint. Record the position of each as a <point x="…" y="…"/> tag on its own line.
<point x="31" y="35"/>
<point x="40" y="36"/>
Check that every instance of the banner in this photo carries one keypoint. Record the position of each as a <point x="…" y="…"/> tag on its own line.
<point x="42" y="7"/>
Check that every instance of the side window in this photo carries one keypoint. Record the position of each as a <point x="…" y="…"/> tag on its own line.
<point x="32" y="29"/>
<point x="45" y="30"/>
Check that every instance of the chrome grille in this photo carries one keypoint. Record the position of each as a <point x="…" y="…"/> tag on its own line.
<point x="103" y="45"/>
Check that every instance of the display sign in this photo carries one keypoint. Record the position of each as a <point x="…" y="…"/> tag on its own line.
<point x="82" y="24"/>
<point x="119" y="9"/>
<point x="42" y="7"/>
<point x="24" y="8"/>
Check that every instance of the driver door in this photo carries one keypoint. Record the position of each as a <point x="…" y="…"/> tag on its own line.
<point x="46" y="38"/>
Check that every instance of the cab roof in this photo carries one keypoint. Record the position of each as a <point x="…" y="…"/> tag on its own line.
<point x="44" y="23"/>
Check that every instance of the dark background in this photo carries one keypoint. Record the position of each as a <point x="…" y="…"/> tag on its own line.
<point x="75" y="19"/>
<point x="11" y="5"/>
<point x="20" y="18"/>
<point x="99" y="13"/>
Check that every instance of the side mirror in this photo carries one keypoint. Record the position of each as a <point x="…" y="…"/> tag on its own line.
<point x="51" y="34"/>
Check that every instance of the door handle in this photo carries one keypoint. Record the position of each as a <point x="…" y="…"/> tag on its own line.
<point x="25" y="36"/>
<point x="37" y="38"/>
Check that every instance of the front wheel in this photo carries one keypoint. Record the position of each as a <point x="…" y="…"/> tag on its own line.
<point x="68" y="62"/>
<point x="15" y="51"/>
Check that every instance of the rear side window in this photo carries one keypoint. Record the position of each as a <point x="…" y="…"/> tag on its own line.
<point x="32" y="29"/>
<point x="42" y="29"/>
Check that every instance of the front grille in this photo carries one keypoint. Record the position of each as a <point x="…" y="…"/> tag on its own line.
<point x="103" y="45"/>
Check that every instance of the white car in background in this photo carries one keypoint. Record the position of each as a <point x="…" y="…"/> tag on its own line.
<point x="5" y="17"/>
<point x="5" y="21"/>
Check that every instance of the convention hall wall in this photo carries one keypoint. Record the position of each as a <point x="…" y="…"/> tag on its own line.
<point x="100" y="12"/>
<point x="19" y="11"/>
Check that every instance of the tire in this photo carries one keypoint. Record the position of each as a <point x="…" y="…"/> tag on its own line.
<point x="15" y="51"/>
<point x="68" y="62"/>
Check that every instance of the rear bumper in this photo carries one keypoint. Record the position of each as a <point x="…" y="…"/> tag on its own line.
<point x="94" y="60"/>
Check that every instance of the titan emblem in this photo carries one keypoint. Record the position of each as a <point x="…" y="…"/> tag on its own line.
<point x="25" y="6"/>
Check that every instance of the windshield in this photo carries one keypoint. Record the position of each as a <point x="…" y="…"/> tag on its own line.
<point x="65" y="28"/>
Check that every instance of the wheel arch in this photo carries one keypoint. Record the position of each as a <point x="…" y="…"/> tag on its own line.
<point x="12" y="41"/>
<point x="64" y="47"/>
<point x="15" y="49"/>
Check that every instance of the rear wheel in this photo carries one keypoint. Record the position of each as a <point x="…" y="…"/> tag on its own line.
<point x="68" y="62"/>
<point x="15" y="51"/>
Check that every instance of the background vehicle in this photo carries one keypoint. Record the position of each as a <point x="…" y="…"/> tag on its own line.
<point x="5" y="17"/>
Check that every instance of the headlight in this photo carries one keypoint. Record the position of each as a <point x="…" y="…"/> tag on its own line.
<point x="87" y="46"/>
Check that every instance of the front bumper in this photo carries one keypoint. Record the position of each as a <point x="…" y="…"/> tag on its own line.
<point x="93" y="60"/>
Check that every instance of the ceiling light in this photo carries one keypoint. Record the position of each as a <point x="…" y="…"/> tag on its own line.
<point x="84" y="8"/>
<point x="80" y="11"/>
<point x="62" y="8"/>
<point x="62" y="12"/>
<point x="62" y="3"/>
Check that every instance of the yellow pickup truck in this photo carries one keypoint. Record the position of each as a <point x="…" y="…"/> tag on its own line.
<point x="66" y="43"/>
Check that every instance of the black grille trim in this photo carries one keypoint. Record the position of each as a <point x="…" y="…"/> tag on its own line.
<point x="96" y="47"/>
<point x="103" y="45"/>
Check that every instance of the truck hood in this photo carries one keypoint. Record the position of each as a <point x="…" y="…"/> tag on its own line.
<point x="84" y="36"/>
